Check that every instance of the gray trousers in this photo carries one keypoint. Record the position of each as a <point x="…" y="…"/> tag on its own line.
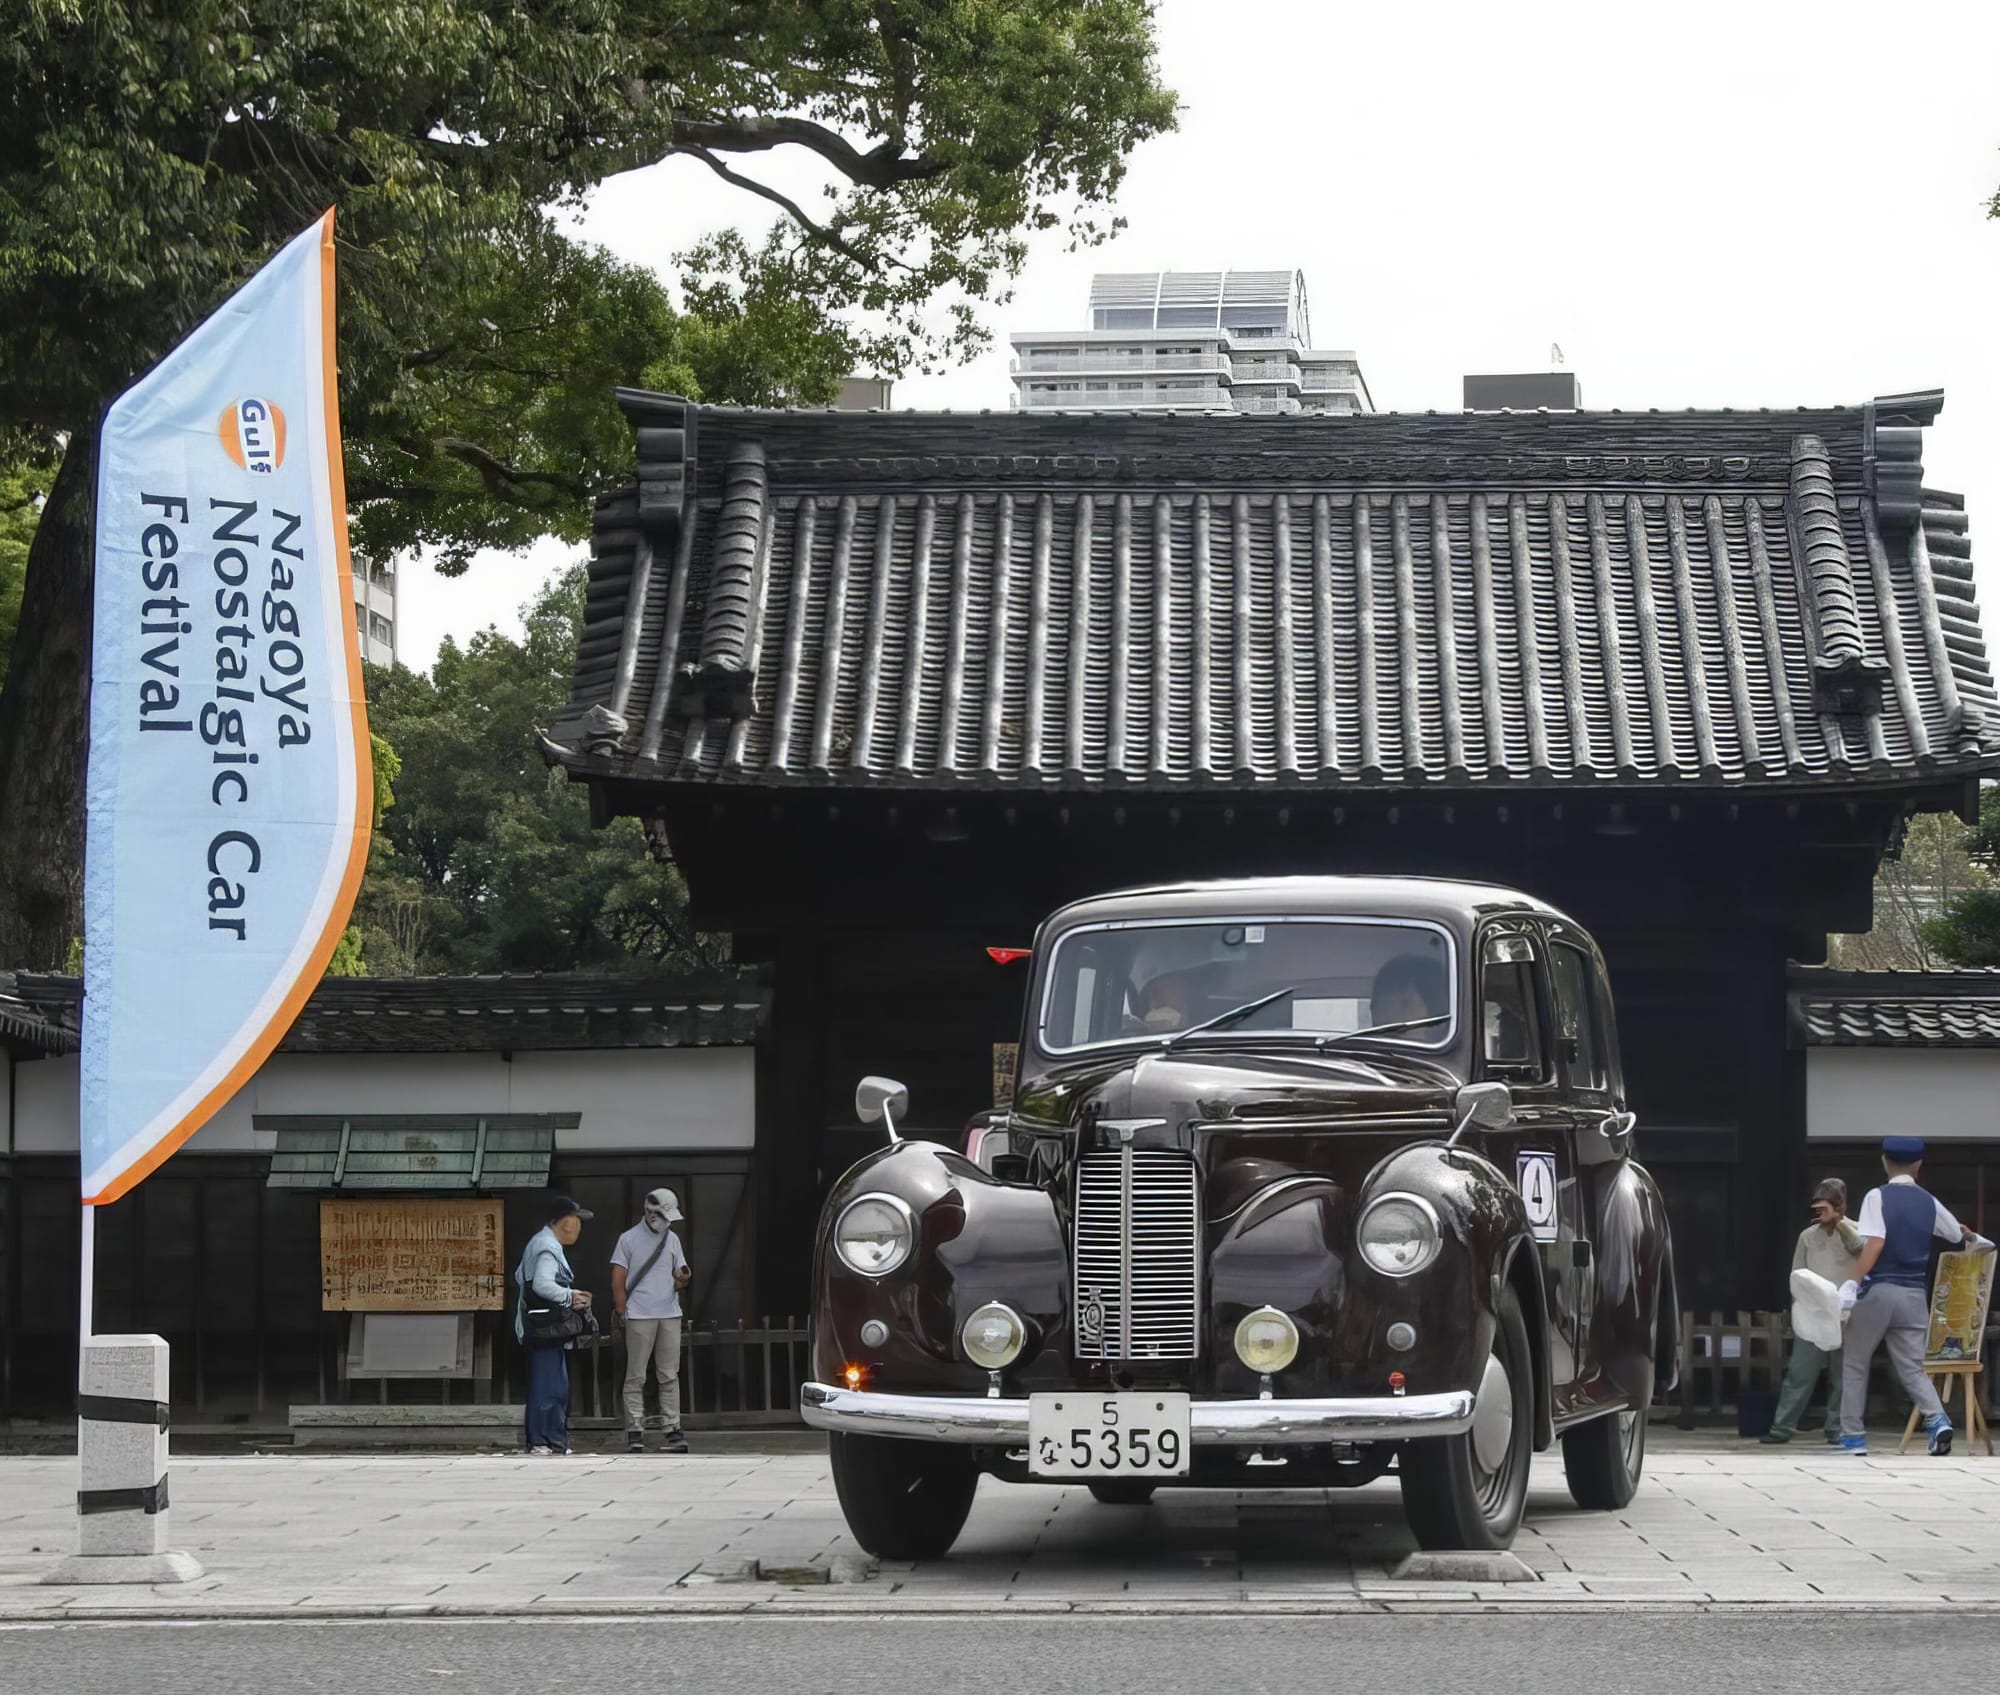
<point x="655" y="1342"/>
<point x="1901" y="1317"/>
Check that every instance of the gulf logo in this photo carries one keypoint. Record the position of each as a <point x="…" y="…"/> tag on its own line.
<point x="253" y="434"/>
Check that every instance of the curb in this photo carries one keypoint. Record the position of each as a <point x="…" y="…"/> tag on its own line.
<point x="880" y="1611"/>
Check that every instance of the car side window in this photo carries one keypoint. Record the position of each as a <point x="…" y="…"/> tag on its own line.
<point x="1510" y="1028"/>
<point x="1577" y="1038"/>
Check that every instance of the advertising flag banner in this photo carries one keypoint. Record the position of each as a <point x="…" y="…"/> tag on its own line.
<point x="230" y="796"/>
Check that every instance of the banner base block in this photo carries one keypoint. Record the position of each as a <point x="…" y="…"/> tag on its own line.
<point x="173" y="1566"/>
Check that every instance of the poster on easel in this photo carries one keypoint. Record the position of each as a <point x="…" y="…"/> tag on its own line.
<point x="1960" y="1297"/>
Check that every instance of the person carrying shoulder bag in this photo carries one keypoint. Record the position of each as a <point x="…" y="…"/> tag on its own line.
<point x="649" y="1269"/>
<point x="550" y="1313"/>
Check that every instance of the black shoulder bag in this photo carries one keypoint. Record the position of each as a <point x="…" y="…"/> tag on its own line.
<point x="553" y="1327"/>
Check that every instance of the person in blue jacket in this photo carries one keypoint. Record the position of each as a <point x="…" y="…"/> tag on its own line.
<point x="1889" y="1299"/>
<point x="544" y="1278"/>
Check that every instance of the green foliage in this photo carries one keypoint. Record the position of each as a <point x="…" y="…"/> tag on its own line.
<point x="487" y="860"/>
<point x="152" y="155"/>
<point x="1915" y="893"/>
<point x="25" y="476"/>
<point x="347" y="960"/>
<point x="1965" y="928"/>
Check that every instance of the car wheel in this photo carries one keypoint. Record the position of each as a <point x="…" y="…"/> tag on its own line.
<point x="903" y="1500"/>
<point x="1469" y="1491"/>
<point x="1602" y="1459"/>
<point x="1123" y="1494"/>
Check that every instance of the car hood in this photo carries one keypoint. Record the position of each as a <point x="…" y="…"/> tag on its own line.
<point x="1155" y="1098"/>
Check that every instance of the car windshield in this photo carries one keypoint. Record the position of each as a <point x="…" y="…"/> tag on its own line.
<point x="1320" y="977"/>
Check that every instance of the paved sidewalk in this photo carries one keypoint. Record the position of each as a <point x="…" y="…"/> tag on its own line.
<point x="311" y="1535"/>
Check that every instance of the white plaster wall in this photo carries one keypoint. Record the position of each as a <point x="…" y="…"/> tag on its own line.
<point x="1863" y="1094"/>
<point x="654" y="1098"/>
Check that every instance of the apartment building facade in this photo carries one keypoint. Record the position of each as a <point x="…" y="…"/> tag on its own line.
<point x="375" y="608"/>
<point x="1189" y="341"/>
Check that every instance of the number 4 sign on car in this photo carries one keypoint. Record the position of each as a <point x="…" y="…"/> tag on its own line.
<point x="1535" y="1176"/>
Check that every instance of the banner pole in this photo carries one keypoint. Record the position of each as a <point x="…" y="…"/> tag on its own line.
<point x="86" y="1285"/>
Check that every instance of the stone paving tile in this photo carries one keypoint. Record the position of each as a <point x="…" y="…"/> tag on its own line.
<point x="344" y="1532"/>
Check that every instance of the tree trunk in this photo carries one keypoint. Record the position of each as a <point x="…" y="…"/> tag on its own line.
<point x="42" y="728"/>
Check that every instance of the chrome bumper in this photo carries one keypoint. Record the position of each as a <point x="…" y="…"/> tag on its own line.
<point x="985" y="1422"/>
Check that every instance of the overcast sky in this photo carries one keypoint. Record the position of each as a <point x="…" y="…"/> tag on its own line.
<point x="1751" y="204"/>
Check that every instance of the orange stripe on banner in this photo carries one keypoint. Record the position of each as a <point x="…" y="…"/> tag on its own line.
<point x="364" y="772"/>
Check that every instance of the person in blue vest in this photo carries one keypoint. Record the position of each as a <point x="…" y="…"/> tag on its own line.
<point x="1889" y="1300"/>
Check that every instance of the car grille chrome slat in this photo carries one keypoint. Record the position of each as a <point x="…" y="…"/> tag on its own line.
<point x="1137" y="1256"/>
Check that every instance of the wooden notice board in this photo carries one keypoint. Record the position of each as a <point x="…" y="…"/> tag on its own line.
<point x="411" y="1256"/>
<point x="1006" y="1066"/>
<point x="1959" y="1301"/>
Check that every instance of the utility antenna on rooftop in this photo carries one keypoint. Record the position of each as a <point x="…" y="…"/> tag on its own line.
<point x="1555" y="356"/>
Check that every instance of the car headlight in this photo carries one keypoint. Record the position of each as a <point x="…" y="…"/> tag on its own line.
<point x="875" y="1234"/>
<point x="1398" y="1234"/>
<point x="994" y="1336"/>
<point x="1267" y="1340"/>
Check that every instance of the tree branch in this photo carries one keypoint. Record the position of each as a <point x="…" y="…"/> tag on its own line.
<point x="500" y="478"/>
<point x="885" y="166"/>
<point x="820" y="232"/>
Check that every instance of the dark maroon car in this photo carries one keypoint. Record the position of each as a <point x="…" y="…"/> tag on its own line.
<point x="1305" y="1180"/>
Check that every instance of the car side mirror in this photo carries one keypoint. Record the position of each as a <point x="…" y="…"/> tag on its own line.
<point x="1482" y="1106"/>
<point x="881" y="1100"/>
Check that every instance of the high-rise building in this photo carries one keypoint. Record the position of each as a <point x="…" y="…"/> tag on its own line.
<point x="375" y="608"/>
<point x="1173" y="341"/>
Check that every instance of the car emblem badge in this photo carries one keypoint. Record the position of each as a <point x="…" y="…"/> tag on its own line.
<point x="1089" y="1315"/>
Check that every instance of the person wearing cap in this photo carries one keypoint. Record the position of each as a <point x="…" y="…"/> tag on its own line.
<point x="1830" y="1247"/>
<point x="1888" y="1298"/>
<point x="649" y="1270"/>
<point x="544" y="1274"/>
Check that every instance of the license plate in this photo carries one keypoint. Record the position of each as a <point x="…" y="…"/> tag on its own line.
<point x="1127" y="1434"/>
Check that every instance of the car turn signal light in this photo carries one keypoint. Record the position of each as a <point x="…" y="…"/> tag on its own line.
<point x="853" y="1375"/>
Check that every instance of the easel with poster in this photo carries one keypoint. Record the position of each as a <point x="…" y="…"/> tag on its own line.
<point x="1960" y="1298"/>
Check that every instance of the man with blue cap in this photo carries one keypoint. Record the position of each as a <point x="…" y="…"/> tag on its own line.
<point x="1889" y="1300"/>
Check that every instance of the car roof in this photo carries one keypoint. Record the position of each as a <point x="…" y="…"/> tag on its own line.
<point x="1439" y="899"/>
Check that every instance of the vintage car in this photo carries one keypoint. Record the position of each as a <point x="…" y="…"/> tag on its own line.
<point x="1304" y="1181"/>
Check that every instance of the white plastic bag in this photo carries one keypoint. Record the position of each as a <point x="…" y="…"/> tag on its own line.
<point x="1815" y="1310"/>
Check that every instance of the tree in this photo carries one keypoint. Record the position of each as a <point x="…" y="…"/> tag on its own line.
<point x="24" y="485"/>
<point x="1936" y="868"/>
<point x="1965" y="928"/>
<point x="486" y="860"/>
<point x="153" y="154"/>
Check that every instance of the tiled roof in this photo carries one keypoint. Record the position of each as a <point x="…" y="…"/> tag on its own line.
<point x="555" y="1010"/>
<point x="1719" y="599"/>
<point x="1895" y="1009"/>
<point x="25" y="1028"/>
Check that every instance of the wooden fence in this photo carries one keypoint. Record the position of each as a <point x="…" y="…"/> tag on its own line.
<point x="731" y="1374"/>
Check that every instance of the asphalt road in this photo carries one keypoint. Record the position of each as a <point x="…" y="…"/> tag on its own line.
<point x="989" y="1654"/>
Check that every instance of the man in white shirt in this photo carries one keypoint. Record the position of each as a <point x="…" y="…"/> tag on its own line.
<point x="649" y="1270"/>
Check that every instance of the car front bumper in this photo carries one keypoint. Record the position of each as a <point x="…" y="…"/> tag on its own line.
<point x="985" y="1421"/>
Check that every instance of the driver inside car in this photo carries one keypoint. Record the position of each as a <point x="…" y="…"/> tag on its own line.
<point x="1407" y="987"/>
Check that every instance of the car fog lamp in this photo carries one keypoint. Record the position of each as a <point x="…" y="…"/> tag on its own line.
<point x="1267" y="1340"/>
<point x="874" y="1333"/>
<point x="1402" y="1337"/>
<point x="874" y="1235"/>
<point x="1398" y="1235"/>
<point x="994" y="1336"/>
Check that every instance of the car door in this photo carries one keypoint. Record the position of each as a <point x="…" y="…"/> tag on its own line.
<point x="1537" y="1150"/>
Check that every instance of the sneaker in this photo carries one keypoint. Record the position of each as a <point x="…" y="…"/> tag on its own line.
<point x="1775" y="1438"/>
<point x="540" y="1450"/>
<point x="1855" y="1445"/>
<point x="675" y="1442"/>
<point x="635" y="1441"/>
<point x="1940" y="1435"/>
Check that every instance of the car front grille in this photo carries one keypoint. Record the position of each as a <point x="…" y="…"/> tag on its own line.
<point x="1137" y="1256"/>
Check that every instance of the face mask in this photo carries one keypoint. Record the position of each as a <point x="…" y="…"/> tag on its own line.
<point x="655" y="1221"/>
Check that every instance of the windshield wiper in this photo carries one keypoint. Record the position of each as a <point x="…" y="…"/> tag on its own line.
<point x="1229" y="1017"/>
<point x="1326" y="1042"/>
